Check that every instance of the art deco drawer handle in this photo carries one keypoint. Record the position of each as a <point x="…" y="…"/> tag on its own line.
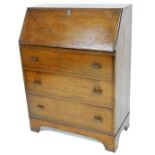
<point x="98" y="118"/>
<point x="34" y="58"/>
<point x="38" y="82"/>
<point x="40" y="106"/>
<point x="97" y="91"/>
<point x="96" y="65"/>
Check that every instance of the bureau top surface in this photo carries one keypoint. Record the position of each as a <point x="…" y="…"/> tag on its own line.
<point x="72" y="27"/>
<point x="103" y="6"/>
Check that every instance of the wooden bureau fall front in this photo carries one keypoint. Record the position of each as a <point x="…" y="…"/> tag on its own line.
<point x="76" y="68"/>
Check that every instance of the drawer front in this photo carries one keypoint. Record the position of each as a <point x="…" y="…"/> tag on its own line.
<point x="99" y="93"/>
<point x="70" y="113"/>
<point x="97" y="66"/>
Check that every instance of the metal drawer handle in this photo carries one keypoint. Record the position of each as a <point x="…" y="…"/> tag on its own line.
<point x="34" y="58"/>
<point x="96" y="65"/>
<point x="98" y="118"/>
<point x="97" y="91"/>
<point x="40" y="106"/>
<point x="37" y="82"/>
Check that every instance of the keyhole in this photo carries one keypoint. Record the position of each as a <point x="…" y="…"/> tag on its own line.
<point x="68" y="12"/>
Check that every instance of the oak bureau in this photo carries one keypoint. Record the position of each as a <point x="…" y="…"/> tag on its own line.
<point x="76" y="69"/>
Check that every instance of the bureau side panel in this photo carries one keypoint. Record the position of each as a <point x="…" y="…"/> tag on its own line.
<point x="122" y="69"/>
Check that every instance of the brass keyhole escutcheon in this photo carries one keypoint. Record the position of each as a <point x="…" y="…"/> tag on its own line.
<point x="68" y="12"/>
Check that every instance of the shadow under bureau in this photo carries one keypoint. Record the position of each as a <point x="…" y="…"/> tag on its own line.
<point x="76" y="69"/>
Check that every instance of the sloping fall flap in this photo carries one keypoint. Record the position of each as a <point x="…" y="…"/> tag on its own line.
<point x="77" y="28"/>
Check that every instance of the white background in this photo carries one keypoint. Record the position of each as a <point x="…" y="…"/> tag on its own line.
<point x="15" y="135"/>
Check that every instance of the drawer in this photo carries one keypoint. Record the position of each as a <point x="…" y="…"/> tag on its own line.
<point x="88" y="64"/>
<point x="70" y="113"/>
<point x="94" y="92"/>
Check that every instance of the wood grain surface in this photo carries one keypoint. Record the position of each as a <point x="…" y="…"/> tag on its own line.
<point x="76" y="70"/>
<point x="71" y="28"/>
<point x="110" y="142"/>
<point x="71" y="113"/>
<point x="122" y="69"/>
<point x="93" y="92"/>
<point x="76" y="62"/>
